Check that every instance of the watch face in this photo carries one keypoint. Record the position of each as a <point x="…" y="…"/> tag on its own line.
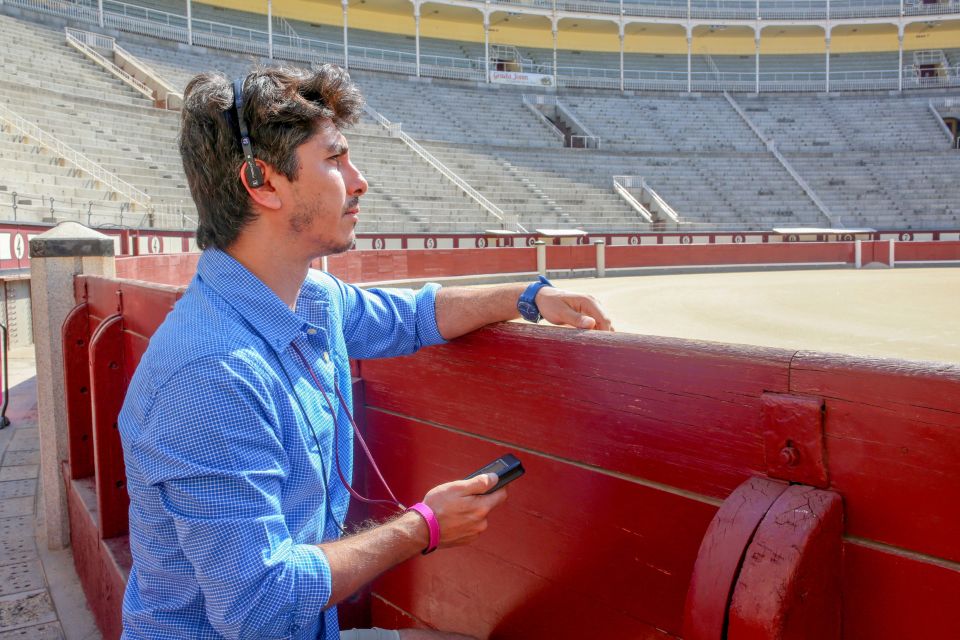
<point x="529" y="311"/>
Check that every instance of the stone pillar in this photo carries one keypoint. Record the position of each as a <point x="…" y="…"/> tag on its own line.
<point x="857" y="254"/>
<point x="757" y="62"/>
<point x="270" y="29"/>
<point x="56" y="256"/>
<point x="555" y="81"/>
<point x="100" y="13"/>
<point x="827" y="77"/>
<point x="601" y="258"/>
<point x="620" y="32"/>
<point x="541" y="257"/>
<point x="346" y="53"/>
<point x="689" y="61"/>
<point x="416" y="19"/>
<point x="190" y="22"/>
<point x="486" y="45"/>
<point x="900" y="59"/>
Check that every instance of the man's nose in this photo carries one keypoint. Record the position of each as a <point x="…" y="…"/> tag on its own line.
<point x="357" y="184"/>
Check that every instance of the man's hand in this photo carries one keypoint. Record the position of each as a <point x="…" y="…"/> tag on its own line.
<point x="574" y="309"/>
<point x="462" y="510"/>
<point x="461" y="310"/>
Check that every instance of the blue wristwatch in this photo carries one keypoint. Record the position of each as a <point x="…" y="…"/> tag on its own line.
<point x="527" y="305"/>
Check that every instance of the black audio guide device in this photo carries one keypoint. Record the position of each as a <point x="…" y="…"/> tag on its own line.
<point x="507" y="468"/>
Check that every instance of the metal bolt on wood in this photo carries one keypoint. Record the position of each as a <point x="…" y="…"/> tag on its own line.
<point x="789" y="456"/>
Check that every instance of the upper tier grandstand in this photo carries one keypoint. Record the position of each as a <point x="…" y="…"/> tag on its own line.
<point x="719" y="146"/>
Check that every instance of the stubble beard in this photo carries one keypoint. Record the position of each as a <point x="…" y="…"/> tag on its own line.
<point x="304" y="218"/>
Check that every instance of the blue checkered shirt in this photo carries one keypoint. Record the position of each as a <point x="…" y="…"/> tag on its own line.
<point x="229" y="494"/>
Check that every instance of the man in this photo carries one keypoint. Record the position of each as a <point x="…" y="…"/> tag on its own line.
<point x="233" y="434"/>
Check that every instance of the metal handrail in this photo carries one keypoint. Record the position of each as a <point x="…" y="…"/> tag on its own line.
<point x="530" y="103"/>
<point x="74" y="157"/>
<point x="630" y="200"/>
<point x="228" y="37"/>
<point x="76" y="39"/>
<point x="772" y="148"/>
<point x="491" y="208"/>
<point x="939" y="119"/>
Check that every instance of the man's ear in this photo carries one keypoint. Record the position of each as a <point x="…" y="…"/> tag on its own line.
<point x="266" y="195"/>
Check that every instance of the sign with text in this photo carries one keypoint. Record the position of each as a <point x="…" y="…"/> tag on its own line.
<point x="519" y="77"/>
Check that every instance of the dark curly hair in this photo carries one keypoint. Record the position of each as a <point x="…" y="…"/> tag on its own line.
<point x="283" y="108"/>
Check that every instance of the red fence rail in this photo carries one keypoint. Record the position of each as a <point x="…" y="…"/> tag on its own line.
<point x="641" y="454"/>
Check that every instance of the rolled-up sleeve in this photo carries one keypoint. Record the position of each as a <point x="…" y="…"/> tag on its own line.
<point x="380" y="323"/>
<point x="218" y="465"/>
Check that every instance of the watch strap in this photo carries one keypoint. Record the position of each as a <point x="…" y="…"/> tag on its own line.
<point x="527" y="304"/>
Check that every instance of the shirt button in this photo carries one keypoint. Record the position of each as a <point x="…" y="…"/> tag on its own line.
<point x="311" y="331"/>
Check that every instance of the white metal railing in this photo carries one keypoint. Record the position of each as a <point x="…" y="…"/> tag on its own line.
<point x="74" y="157"/>
<point x="25" y="206"/>
<point x="530" y="103"/>
<point x="621" y="189"/>
<point x="772" y="148"/>
<point x="162" y="24"/>
<point x="930" y="56"/>
<point x="478" y="197"/>
<point x="584" y="140"/>
<point x="943" y="125"/>
<point x="662" y="206"/>
<point x="80" y="41"/>
<point x="164" y="92"/>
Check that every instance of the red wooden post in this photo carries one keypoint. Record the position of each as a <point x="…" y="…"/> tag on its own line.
<point x="721" y="554"/>
<point x="108" y="384"/>
<point x="789" y="585"/>
<point x="76" y="373"/>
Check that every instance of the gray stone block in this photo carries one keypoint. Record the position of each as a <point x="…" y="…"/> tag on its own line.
<point x="14" y="458"/>
<point x="21" y="577"/>
<point x="46" y="631"/>
<point x="21" y="472"/>
<point x="18" y="488"/>
<point x="26" y="610"/>
<point x="17" y="507"/>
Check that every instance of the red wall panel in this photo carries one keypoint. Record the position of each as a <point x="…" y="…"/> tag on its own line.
<point x="723" y="254"/>
<point x="944" y="250"/>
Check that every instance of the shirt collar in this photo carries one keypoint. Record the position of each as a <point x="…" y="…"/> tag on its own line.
<point x="259" y="304"/>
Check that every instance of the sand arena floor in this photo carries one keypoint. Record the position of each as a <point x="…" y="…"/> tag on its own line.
<point x="904" y="313"/>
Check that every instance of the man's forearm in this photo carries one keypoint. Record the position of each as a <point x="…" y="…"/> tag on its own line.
<point x="461" y="310"/>
<point x="358" y="559"/>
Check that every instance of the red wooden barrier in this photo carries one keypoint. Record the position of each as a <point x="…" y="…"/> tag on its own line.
<point x="633" y="445"/>
<point x="729" y="254"/>
<point x="927" y="251"/>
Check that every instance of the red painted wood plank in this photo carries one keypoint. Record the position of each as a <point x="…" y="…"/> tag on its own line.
<point x="76" y="374"/>
<point x="716" y="254"/>
<point x="171" y="269"/>
<point x="888" y="595"/>
<point x="108" y="386"/>
<point x="789" y="585"/>
<point x="102" y="586"/>
<point x="569" y="538"/>
<point x="679" y="412"/>
<point x="571" y="257"/>
<point x="102" y="296"/>
<point x="893" y="438"/>
<point x="720" y="556"/>
<point x="145" y="306"/>
<point x="940" y="250"/>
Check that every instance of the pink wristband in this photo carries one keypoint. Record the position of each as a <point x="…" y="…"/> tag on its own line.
<point x="433" y="525"/>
